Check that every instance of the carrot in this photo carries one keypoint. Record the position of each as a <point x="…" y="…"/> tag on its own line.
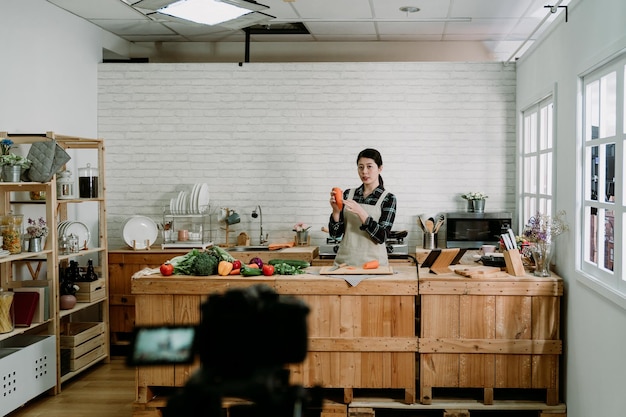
<point x="253" y="265"/>
<point x="338" y="197"/>
<point x="235" y="272"/>
<point x="371" y="264"/>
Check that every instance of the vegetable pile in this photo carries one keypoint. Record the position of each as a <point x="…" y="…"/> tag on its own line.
<point x="216" y="260"/>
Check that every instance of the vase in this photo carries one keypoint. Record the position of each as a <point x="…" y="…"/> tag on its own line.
<point x="34" y="244"/>
<point x="67" y="301"/>
<point x="470" y="206"/>
<point x="11" y="173"/>
<point x="478" y="206"/>
<point x="302" y="238"/>
<point x="542" y="253"/>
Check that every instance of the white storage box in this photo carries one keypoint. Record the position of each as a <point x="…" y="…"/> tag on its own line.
<point x="28" y="368"/>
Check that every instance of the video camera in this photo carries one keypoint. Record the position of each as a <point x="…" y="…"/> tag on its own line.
<point x="244" y="341"/>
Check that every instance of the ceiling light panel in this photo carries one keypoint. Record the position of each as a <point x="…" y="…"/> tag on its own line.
<point x="429" y="9"/>
<point x="101" y="9"/>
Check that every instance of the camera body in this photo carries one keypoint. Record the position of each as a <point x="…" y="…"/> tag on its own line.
<point x="244" y="341"/>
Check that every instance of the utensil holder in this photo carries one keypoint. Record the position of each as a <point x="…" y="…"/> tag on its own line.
<point x="430" y="240"/>
<point x="514" y="265"/>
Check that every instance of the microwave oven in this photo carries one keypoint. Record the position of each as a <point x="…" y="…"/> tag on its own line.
<point x="472" y="230"/>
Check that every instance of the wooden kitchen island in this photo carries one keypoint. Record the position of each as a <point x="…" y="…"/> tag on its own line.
<point x="360" y="336"/>
<point x="392" y="334"/>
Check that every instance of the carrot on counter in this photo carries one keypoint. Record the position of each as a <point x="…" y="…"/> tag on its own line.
<point x="371" y="264"/>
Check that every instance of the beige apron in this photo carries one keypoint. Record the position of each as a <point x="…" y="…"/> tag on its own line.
<point x="356" y="246"/>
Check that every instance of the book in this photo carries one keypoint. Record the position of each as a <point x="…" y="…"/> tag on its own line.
<point x="24" y="306"/>
<point x="40" y="283"/>
<point x="41" y="314"/>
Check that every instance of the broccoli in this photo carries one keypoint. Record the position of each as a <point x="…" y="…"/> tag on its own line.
<point x="204" y="264"/>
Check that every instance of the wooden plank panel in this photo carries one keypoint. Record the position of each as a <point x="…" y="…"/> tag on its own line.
<point x="440" y="316"/>
<point x="477" y="371"/>
<point x="545" y="371"/>
<point x="513" y="371"/>
<point x="512" y="286"/>
<point x="545" y="318"/>
<point x="186" y="311"/>
<point x="478" y="318"/>
<point x="513" y="317"/>
<point x="478" y="346"/>
<point x="439" y="370"/>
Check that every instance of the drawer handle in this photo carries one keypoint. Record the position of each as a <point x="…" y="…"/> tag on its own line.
<point x="124" y="299"/>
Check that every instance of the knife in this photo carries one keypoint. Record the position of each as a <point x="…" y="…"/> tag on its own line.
<point x="513" y="240"/>
<point x="336" y="267"/>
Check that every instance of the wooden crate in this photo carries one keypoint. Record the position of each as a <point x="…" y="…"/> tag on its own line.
<point x="75" y="333"/>
<point x="91" y="291"/>
<point x="359" y="336"/>
<point x="489" y="334"/>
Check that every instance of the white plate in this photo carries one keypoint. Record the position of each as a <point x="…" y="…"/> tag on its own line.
<point x="81" y="230"/>
<point x="140" y="230"/>
<point x="203" y="198"/>
<point x="193" y="208"/>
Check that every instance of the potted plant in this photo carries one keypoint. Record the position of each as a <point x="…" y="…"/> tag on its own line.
<point x="12" y="166"/>
<point x="475" y="201"/>
<point x="302" y="233"/>
<point x="36" y="231"/>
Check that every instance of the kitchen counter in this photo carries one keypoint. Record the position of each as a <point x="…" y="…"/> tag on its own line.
<point x="355" y="332"/>
<point x="124" y="262"/>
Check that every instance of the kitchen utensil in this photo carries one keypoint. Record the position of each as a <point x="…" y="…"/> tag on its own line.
<point x="233" y="219"/>
<point x="430" y="225"/>
<point x="420" y="223"/>
<point x="336" y="267"/>
<point x="353" y="270"/>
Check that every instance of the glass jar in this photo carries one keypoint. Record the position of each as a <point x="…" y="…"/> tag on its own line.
<point x="88" y="182"/>
<point x="11" y="229"/>
<point x="7" y="317"/>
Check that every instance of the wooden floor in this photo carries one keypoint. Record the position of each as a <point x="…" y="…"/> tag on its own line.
<point x="106" y="390"/>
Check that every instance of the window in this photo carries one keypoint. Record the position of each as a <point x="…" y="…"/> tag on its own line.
<point x="603" y="139"/>
<point x="537" y="156"/>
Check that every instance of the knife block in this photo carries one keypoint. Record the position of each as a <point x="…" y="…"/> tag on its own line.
<point x="514" y="265"/>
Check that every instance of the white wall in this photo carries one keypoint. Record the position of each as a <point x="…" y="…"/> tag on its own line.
<point x="595" y="362"/>
<point x="282" y="135"/>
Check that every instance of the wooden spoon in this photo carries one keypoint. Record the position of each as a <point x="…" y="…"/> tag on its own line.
<point x="430" y="224"/>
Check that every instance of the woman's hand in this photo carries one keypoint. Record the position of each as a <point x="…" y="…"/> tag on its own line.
<point x="354" y="207"/>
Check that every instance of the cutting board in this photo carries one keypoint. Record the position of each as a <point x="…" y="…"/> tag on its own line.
<point x="481" y="272"/>
<point x="353" y="270"/>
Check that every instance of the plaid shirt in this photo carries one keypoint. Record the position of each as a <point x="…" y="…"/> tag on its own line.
<point x="378" y="230"/>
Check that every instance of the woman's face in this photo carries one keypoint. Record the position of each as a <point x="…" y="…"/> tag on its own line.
<point x="368" y="171"/>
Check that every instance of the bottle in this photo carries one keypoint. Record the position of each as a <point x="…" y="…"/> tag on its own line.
<point x="90" y="275"/>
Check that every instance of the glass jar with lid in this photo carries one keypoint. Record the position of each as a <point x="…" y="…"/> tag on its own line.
<point x="7" y="317"/>
<point x="11" y="228"/>
<point x="88" y="182"/>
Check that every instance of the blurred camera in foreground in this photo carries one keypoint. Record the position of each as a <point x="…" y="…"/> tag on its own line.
<point x="244" y="341"/>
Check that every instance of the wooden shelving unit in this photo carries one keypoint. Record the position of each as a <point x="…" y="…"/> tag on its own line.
<point x="12" y="267"/>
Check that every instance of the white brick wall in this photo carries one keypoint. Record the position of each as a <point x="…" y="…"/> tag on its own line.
<point x="282" y="135"/>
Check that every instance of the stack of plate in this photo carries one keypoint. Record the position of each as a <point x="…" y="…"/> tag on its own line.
<point x="4" y="253"/>
<point x="195" y="201"/>
<point x="79" y="229"/>
<point x="140" y="232"/>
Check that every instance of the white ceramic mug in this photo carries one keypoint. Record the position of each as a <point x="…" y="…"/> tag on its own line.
<point x="486" y="249"/>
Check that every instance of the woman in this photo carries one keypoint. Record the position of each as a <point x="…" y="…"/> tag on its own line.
<point x="367" y="215"/>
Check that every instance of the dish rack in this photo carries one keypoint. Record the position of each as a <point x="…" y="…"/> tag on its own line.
<point x="187" y="230"/>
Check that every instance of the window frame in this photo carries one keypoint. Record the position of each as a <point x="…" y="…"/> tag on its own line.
<point x="536" y="199"/>
<point x="610" y="283"/>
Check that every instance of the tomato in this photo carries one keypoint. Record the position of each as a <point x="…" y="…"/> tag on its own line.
<point x="268" y="270"/>
<point x="236" y="264"/>
<point x="167" y="269"/>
